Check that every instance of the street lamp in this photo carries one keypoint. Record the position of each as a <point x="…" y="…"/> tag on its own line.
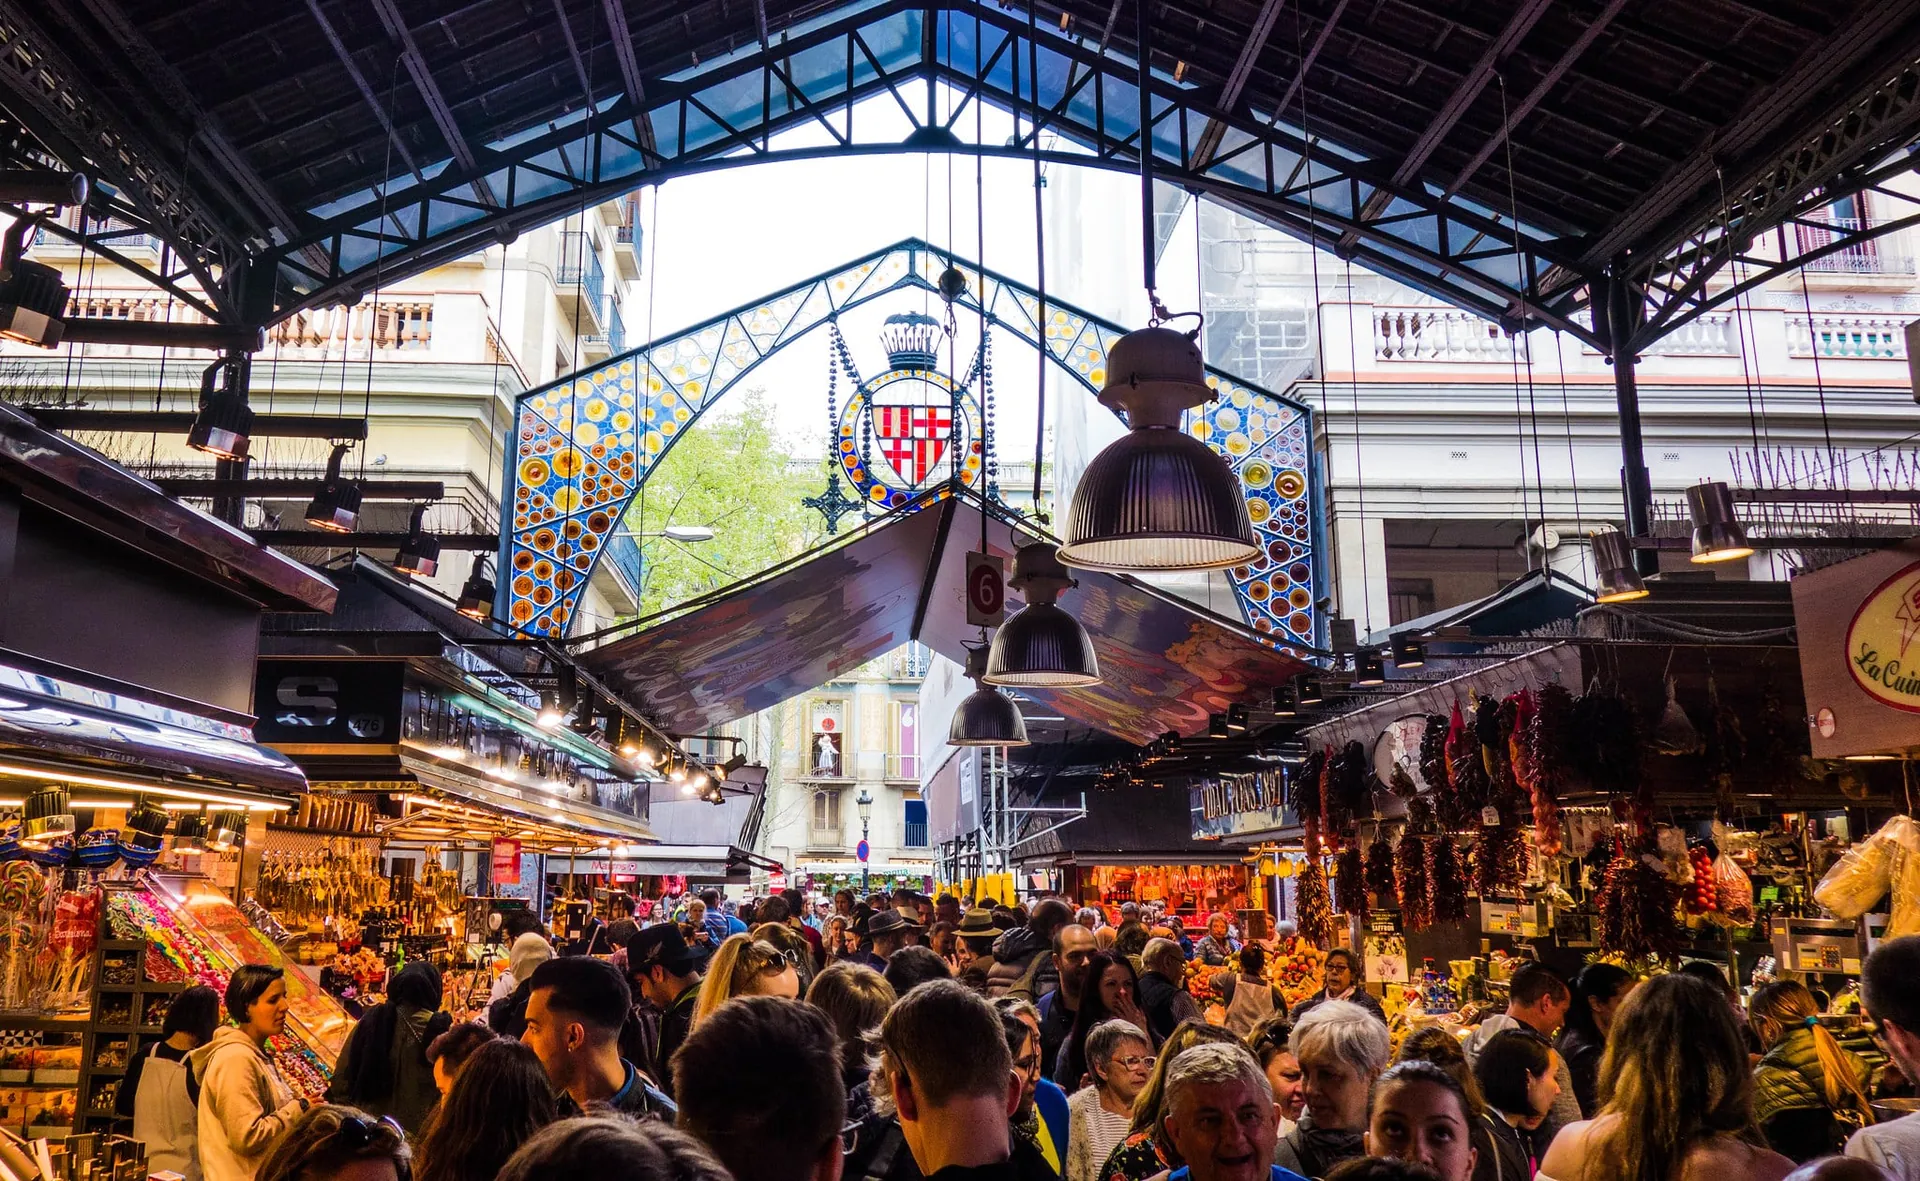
<point x="671" y="533"/>
<point x="863" y="803"/>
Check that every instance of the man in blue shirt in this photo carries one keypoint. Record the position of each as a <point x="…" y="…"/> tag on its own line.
<point x="1219" y="1116"/>
<point x="711" y="897"/>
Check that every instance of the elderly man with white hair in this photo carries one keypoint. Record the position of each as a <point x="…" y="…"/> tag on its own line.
<point x="1341" y="1049"/>
<point x="1217" y="1115"/>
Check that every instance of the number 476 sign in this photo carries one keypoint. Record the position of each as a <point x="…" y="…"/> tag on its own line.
<point x="986" y="590"/>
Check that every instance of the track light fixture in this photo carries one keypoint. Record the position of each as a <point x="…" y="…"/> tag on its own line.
<point x="1717" y="534"/>
<point x="476" y="597"/>
<point x="46" y="818"/>
<point x="1409" y="652"/>
<point x="33" y="296"/>
<point x="1617" y="578"/>
<point x="420" y="551"/>
<point x="190" y="833"/>
<point x="1307" y="688"/>
<point x="1368" y="668"/>
<point x="223" y="425"/>
<point x="550" y="715"/>
<point x="336" y="507"/>
<point x="1041" y="646"/>
<point x="1216" y="725"/>
<point x="1236" y="719"/>
<point x="1286" y="701"/>
<point x="226" y="831"/>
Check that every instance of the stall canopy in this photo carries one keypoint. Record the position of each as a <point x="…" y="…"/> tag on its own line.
<point x="1167" y="663"/>
<point x="1130" y="826"/>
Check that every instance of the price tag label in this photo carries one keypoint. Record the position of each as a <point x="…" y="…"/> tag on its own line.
<point x="1490" y="817"/>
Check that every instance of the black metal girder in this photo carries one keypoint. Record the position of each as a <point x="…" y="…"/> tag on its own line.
<point x="1356" y="125"/>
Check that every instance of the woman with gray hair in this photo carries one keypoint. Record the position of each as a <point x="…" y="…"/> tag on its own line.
<point x="1342" y="1048"/>
<point x="1119" y="1058"/>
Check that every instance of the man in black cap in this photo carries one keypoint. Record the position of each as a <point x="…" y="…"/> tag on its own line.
<point x="662" y="968"/>
<point x="890" y="931"/>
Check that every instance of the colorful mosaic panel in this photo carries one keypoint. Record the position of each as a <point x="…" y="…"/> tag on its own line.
<point x="584" y="444"/>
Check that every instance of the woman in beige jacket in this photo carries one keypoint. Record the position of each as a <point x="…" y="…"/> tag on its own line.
<point x="243" y="1104"/>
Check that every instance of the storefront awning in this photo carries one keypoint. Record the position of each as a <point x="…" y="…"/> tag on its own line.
<point x="1167" y="663"/>
<point x="448" y="803"/>
<point x="697" y="863"/>
<point x="56" y="726"/>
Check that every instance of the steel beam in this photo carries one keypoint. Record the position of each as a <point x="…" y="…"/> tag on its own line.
<point x="69" y="421"/>
<point x="319" y="539"/>
<point x="1209" y="141"/>
<point x="417" y="69"/>
<point x="1519" y="112"/>
<point x="198" y="488"/>
<point x="165" y="334"/>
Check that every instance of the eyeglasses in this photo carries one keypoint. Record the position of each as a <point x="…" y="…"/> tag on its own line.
<point x="1136" y="1061"/>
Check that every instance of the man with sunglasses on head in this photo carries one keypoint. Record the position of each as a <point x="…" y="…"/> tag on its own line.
<point x="759" y="1084"/>
<point x="575" y="1009"/>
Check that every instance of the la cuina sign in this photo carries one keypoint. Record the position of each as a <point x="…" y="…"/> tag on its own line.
<point x="1858" y="626"/>
<point x="1883" y="641"/>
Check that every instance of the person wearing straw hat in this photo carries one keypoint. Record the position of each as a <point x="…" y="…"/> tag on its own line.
<point x="973" y="947"/>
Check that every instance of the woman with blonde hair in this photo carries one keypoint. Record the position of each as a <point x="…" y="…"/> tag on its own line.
<point x="745" y="966"/>
<point x="798" y="950"/>
<point x="1670" y="1114"/>
<point x="1809" y="1094"/>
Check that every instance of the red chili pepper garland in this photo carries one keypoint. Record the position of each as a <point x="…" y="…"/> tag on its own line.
<point x="1316" y="913"/>
<point x="1380" y="869"/>
<point x="1446" y="880"/>
<point x="1350" y="882"/>
<point x="1410" y="864"/>
<point x="1548" y="739"/>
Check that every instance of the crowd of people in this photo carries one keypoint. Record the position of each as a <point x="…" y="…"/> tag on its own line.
<point x="1028" y="1045"/>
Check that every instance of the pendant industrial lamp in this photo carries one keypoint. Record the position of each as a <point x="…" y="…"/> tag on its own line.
<point x="420" y="551"/>
<point x="190" y="833"/>
<point x="1041" y="646"/>
<point x="986" y="717"/>
<point x="1717" y="535"/>
<point x="1618" y="581"/>
<point x="336" y="507"/>
<point x="1157" y="499"/>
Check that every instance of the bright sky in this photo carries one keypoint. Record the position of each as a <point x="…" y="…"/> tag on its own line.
<point x="717" y="240"/>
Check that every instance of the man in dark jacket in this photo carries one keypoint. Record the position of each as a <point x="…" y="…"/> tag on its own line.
<point x="575" y="1009"/>
<point x="1022" y="959"/>
<point x="1162" y="996"/>
<point x="660" y="967"/>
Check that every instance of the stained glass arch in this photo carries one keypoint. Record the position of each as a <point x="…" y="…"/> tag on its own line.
<point x="583" y="445"/>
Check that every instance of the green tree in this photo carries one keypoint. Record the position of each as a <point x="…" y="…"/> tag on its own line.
<point x="733" y="474"/>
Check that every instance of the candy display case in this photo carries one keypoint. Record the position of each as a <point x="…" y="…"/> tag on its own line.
<point x="196" y="935"/>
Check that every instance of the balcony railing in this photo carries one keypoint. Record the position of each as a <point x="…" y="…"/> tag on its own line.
<point x="580" y="266"/>
<point x="903" y="766"/>
<point x="1861" y="258"/>
<point x="826" y="839"/>
<point x="395" y="325"/>
<point x="1440" y="334"/>
<point x="616" y="329"/>
<point x="1847" y="336"/>
<point x="913" y="834"/>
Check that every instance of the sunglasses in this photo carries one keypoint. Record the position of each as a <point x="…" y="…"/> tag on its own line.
<point x="355" y="1133"/>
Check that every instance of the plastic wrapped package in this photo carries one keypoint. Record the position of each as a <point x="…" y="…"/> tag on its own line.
<point x="1887" y="860"/>
<point x="1733" y="892"/>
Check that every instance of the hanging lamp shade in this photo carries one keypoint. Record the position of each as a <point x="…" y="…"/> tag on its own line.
<point x="1157" y="499"/>
<point x="1308" y="690"/>
<point x="419" y="550"/>
<point x="1717" y="535"/>
<point x="1041" y="646"/>
<point x="986" y="717"/>
<point x="1369" y="669"/>
<point x="476" y="597"/>
<point x="190" y="833"/>
<point x="1617" y="580"/>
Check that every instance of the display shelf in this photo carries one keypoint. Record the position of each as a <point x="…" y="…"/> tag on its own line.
<point x="324" y="832"/>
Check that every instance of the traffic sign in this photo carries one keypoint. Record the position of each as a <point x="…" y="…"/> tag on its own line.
<point x="986" y="589"/>
<point x="861" y="850"/>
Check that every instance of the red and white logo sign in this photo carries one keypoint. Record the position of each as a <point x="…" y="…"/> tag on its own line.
<point x="913" y="438"/>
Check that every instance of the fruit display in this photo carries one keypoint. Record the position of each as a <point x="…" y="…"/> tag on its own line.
<point x="1295" y="969"/>
<point x="1701" y="895"/>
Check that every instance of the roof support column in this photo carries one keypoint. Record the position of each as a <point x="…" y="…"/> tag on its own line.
<point x="254" y="292"/>
<point x="1619" y="311"/>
